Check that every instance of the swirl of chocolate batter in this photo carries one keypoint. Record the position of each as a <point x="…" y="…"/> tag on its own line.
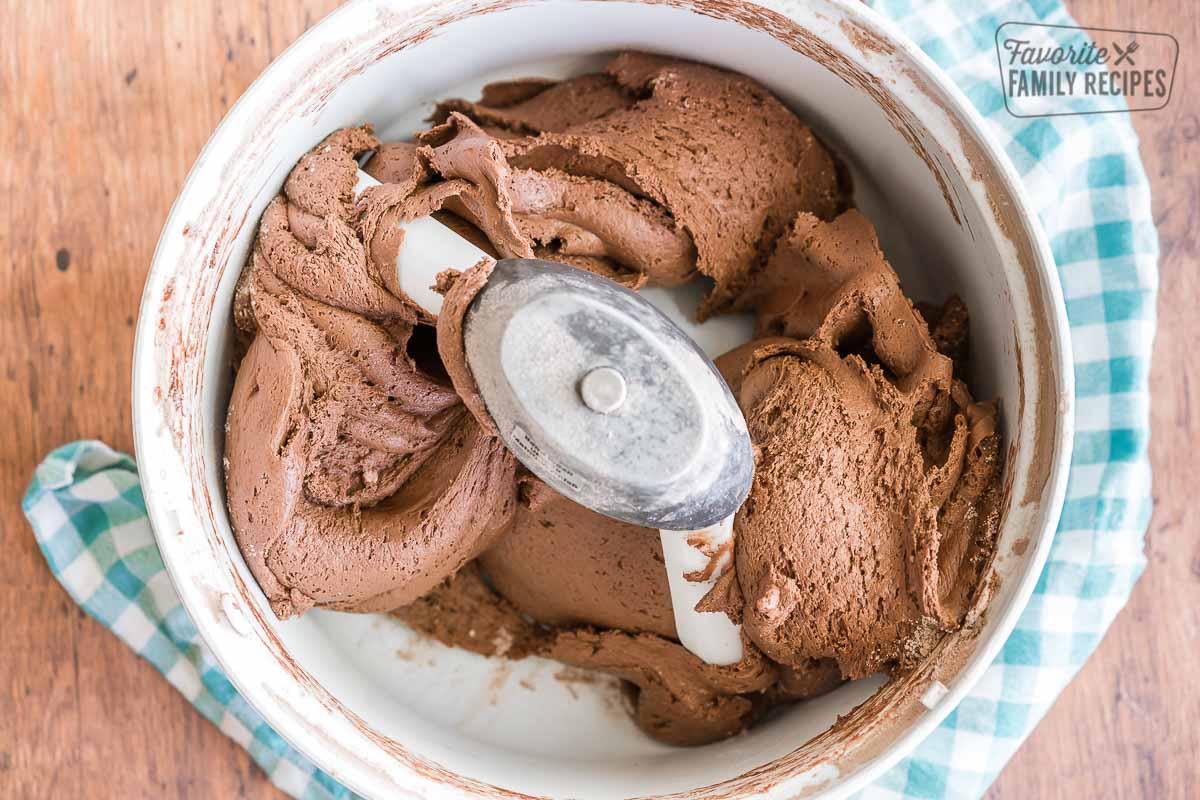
<point x="863" y="432"/>
<point x="363" y="472"/>
<point x="355" y="480"/>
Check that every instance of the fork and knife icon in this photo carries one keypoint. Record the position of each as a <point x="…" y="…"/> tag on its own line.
<point x="1125" y="54"/>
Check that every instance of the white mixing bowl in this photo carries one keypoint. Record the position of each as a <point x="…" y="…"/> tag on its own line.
<point x="393" y="715"/>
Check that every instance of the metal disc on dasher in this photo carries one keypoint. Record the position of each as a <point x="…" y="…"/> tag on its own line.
<point x="604" y="398"/>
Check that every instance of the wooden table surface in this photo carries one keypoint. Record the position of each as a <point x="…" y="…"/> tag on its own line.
<point x="103" y="108"/>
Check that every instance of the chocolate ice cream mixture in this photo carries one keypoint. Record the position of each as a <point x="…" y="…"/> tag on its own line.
<point x="363" y="473"/>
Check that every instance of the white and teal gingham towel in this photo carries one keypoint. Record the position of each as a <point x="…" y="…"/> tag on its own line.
<point x="1085" y="177"/>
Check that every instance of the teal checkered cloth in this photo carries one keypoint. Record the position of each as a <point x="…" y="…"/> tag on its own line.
<point x="87" y="511"/>
<point x="1084" y="174"/>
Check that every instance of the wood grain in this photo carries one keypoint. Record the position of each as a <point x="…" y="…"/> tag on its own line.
<point x="105" y="105"/>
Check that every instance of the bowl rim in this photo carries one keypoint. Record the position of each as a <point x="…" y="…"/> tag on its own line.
<point x="359" y="774"/>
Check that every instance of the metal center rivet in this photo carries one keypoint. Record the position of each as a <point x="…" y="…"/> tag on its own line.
<point x="603" y="390"/>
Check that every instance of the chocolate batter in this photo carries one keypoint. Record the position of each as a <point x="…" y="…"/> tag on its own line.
<point x="364" y="474"/>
